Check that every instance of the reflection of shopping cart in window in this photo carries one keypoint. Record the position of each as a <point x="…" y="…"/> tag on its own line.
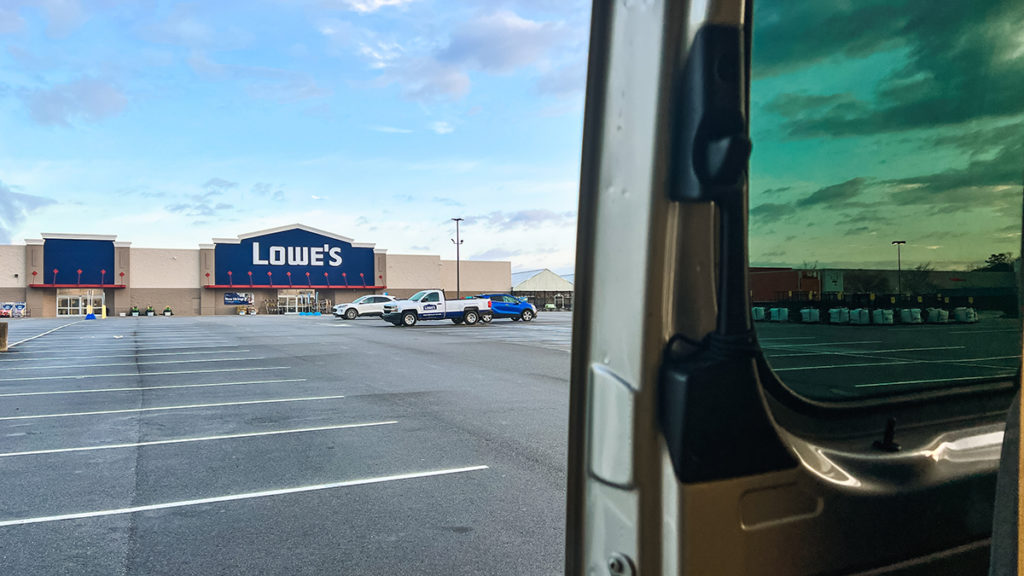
<point x="305" y="303"/>
<point x="270" y="306"/>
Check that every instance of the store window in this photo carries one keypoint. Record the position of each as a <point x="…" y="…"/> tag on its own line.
<point x="78" y="302"/>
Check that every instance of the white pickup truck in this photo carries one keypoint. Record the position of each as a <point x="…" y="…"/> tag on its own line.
<point x="432" y="305"/>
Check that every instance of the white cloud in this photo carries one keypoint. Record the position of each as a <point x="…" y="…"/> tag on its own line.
<point x="15" y="209"/>
<point x="428" y="79"/>
<point x="390" y="130"/>
<point x="501" y="42"/>
<point x="182" y="26"/>
<point x="10" y="21"/>
<point x="62" y="16"/>
<point x="86" y="98"/>
<point x="367" y="6"/>
<point x="523" y="219"/>
<point x="569" y="79"/>
<point x="262" y="82"/>
<point x="380" y="54"/>
<point x="442" y="127"/>
<point x="187" y="26"/>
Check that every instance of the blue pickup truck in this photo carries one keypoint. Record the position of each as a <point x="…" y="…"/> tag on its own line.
<point x="508" y="306"/>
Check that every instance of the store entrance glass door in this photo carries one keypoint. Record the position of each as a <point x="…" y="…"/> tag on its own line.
<point x="295" y="301"/>
<point x="76" y="302"/>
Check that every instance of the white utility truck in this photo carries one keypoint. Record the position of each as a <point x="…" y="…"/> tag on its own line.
<point x="432" y="305"/>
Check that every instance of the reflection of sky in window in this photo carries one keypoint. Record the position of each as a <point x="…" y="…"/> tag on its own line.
<point x="882" y="121"/>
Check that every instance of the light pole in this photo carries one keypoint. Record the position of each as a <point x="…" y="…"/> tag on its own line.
<point x="458" y="242"/>
<point x="899" y="267"/>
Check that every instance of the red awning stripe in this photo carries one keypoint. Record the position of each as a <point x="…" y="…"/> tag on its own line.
<point x="241" y="287"/>
<point x="77" y="285"/>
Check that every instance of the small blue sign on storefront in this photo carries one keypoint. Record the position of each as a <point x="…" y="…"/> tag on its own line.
<point x="238" y="298"/>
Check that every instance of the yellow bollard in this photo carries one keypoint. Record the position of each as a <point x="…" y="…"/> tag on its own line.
<point x="3" y="336"/>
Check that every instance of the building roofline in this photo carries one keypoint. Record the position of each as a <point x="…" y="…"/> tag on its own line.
<point x="285" y="228"/>
<point x="101" y="237"/>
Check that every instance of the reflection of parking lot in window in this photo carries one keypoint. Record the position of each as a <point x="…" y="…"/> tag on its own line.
<point x="885" y="194"/>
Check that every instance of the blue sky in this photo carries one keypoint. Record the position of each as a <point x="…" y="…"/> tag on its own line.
<point x="170" y="123"/>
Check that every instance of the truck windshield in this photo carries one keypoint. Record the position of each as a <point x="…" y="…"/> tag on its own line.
<point x="418" y="296"/>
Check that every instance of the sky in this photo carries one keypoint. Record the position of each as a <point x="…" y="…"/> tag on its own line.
<point x="173" y="123"/>
<point x="883" y="120"/>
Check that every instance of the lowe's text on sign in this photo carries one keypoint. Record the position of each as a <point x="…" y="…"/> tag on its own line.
<point x="311" y="259"/>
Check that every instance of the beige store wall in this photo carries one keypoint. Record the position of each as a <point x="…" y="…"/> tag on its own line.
<point x="183" y="301"/>
<point x="477" y="276"/>
<point x="12" y="295"/>
<point x="408" y="273"/>
<point x="162" y="277"/>
<point x="12" y="263"/>
<point x="164" y="268"/>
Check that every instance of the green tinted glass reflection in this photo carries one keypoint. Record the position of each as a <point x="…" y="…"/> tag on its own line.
<point x="885" y="193"/>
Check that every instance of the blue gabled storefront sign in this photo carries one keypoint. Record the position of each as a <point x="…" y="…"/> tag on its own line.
<point x="70" y="261"/>
<point x="295" y="256"/>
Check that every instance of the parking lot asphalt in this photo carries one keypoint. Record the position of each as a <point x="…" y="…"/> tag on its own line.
<point x="283" y="445"/>
<point x="837" y="362"/>
<point x="314" y="445"/>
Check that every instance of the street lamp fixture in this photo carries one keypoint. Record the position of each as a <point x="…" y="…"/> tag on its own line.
<point x="899" y="266"/>
<point x="458" y="243"/>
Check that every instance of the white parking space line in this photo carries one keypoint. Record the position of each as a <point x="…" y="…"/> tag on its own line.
<point x="982" y="331"/>
<point x="897" y="362"/>
<point x="167" y="408"/>
<point x="829" y="366"/>
<point x="82" y="376"/>
<point x="840" y="343"/>
<point x="93" y="357"/>
<point x="900" y="382"/>
<point x="243" y="496"/>
<point x="199" y="439"/>
<point x="206" y="337"/>
<point x="50" y="351"/>
<point x="80" y="366"/>
<point x="848" y="353"/>
<point x="141" y="389"/>
<point x="128" y="344"/>
<point x="787" y="338"/>
<point x="9" y="346"/>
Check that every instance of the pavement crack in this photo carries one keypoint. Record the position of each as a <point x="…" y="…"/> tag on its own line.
<point x="131" y="544"/>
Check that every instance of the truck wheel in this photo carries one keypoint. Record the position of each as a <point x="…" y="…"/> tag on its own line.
<point x="470" y="317"/>
<point x="351" y="314"/>
<point x="486" y="318"/>
<point x="409" y="319"/>
<point x="527" y="315"/>
<point x="456" y="320"/>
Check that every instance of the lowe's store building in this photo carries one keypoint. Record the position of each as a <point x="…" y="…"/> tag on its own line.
<point x="290" y="269"/>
